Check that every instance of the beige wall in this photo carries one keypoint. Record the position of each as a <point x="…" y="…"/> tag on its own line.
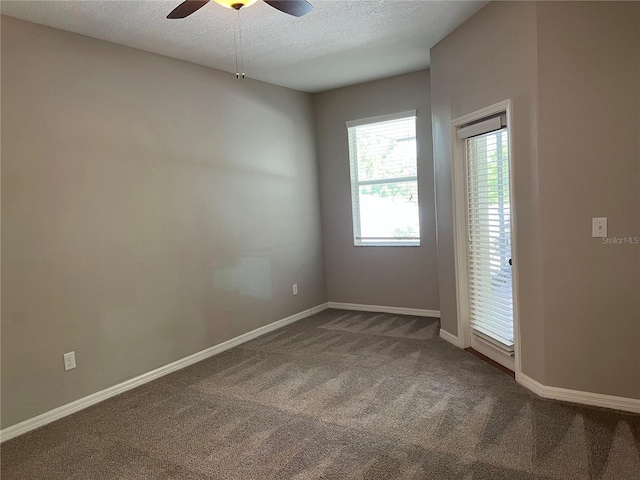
<point x="389" y="276"/>
<point x="588" y="121"/>
<point x="490" y="58"/>
<point x="572" y="71"/>
<point x="150" y="209"/>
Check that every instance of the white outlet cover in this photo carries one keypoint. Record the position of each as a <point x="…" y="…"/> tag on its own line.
<point x="69" y="360"/>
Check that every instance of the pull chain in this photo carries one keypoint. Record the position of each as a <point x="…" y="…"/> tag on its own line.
<point x="238" y="45"/>
<point x="241" y="52"/>
<point x="235" y="41"/>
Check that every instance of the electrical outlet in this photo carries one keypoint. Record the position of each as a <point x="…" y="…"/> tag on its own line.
<point x="69" y="360"/>
<point x="295" y="288"/>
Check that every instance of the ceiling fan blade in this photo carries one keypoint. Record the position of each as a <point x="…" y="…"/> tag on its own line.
<point x="297" y="8"/>
<point x="187" y="8"/>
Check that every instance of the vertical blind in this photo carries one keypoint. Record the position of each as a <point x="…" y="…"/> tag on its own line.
<point x="384" y="186"/>
<point x="489" y="239"/>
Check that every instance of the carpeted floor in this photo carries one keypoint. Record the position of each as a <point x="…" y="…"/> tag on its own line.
<point x="340" y="395"/>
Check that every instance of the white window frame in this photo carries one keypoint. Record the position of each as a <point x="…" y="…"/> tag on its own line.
<point x="458" y="185"/>
<point x="355" y="184"/>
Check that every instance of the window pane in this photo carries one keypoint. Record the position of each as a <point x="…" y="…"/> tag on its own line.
<point x="389" y="210"/>
<point x="386" y="150"/>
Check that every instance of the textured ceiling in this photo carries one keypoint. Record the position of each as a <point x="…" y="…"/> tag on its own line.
<point x="339" y="43"/>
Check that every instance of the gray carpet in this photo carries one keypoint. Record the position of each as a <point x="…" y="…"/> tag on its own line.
<point x="340" y="395"/>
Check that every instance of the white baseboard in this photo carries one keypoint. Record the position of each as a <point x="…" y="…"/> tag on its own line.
<point x="576" y="396"/>
<point x="529" y="383"/>
<point x="564" y="394"/>
<point x="449" y="337"/>
<point x="418" y="312"/>
<point x="82" y="403"/>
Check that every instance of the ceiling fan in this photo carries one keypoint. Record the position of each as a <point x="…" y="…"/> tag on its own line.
<point x="297" y="8"/>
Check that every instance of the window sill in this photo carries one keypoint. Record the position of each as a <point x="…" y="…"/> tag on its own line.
<point x="387" y="244"/>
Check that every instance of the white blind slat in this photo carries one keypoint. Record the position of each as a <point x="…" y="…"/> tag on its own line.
<point x="490" y="341"/>
<point x="501" y="335"/>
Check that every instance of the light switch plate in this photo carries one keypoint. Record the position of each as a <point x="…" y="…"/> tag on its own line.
<point x="599" y="227"/>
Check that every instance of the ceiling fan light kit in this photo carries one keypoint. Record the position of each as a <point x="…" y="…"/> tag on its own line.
<point x="235" y="4"/>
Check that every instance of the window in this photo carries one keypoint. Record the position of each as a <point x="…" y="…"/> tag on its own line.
<point x="384" y="184"/>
